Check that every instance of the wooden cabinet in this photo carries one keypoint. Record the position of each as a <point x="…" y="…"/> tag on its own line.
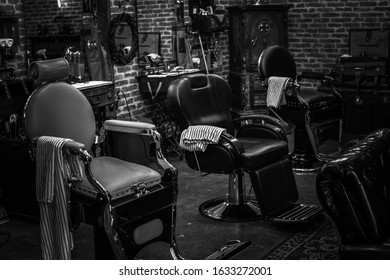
<point x="252" y="29"/>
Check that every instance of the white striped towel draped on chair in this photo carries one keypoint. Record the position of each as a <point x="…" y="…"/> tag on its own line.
<point x="54" y="169"/>
<point x="276" y="91"/>
<point x="198" y="137"/>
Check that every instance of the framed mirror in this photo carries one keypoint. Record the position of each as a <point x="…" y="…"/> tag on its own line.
<point x="123" y="38"/>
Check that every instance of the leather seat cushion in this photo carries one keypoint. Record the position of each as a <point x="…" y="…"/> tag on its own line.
<point x="117" y="177"/>
<point x="259" y="152"/>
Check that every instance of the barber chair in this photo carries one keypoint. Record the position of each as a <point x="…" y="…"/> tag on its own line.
<point x="128" y="204"/>
<point x="253" y="144"/>
<point x="316" y="113"/>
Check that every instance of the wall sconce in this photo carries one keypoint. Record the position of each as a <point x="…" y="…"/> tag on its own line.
<point x="6" y="42"/>
<point x="59" y="3"/>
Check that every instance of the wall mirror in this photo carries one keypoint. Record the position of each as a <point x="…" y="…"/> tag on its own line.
<point x="148" y="43"/>
<point x="123" y="38"/>
<point x="53" y="28"/>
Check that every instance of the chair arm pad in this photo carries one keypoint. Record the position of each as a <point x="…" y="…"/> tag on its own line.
<point x="263" y="120"/>
<point x="129" y="127"/>
<point x="71" y="145"/>
<point x="312" y="75"/>
<point x="262" y="126"/>
<point x="233" y="142"/>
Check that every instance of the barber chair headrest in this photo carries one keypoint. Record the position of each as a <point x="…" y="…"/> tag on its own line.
<point x="198" y="80"/>
<point x="276" y="61"/>
<point x="49" y="70"/>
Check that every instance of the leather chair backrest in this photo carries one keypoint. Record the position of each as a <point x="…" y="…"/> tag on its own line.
<point x="354" y="190"/>
<point x="60" y="110"/>
<point x="201" y="99"/>
<point x="276" y="61"/>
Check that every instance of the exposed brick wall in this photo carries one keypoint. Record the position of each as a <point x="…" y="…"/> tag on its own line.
<point x="46" y="13"/>
<point x="152" y="16"/>
<point x="318" y="32"/>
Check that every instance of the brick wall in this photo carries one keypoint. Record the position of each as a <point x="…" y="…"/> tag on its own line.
<point x="318" y="33"/>
<point x="46" y="13"/>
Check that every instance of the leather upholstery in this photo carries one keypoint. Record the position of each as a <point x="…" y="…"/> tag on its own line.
<point x="258" y="153"/>
<point x="259" y="148"/>
<point x="129" y="205"/>
<point x="205" y="100"/>
<point x="307" y="108"/>
<point x="113" y="174"/>
<point x="56" y="110"/>
<point x="276" y="61"/>
<point x="62" y="118"/>
<point x="355" y="191"/>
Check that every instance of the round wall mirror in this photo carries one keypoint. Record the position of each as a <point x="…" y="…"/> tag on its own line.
<point x="123" y="38"/>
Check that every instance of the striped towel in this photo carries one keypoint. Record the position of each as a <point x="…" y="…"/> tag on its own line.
<point x="198" y="137"/>
<point x="276" y="91"/>
<point x="55" y="169"/>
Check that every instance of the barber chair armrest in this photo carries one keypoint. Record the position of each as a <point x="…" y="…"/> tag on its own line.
<point x="71" y="145"/>
<point x="169" y="172"/>
<point x="232" y="142"/>
<point x="290" y="84"/>
<point x="140" y="128"/>
<point x="326" y="81"/>
<point x="278" y="128"/>
<point x="312" y="76"/>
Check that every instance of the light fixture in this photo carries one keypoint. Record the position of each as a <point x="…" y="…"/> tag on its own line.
<point x="59" y="3"/>
<point x="6" y="42"/>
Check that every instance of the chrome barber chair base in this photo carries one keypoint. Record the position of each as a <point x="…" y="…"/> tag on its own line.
<point x="306" y="166"/>
<point x="221" y="209"/>
<point x="305" y="162"/>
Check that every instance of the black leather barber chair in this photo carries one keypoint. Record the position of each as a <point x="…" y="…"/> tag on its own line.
<point x="129" y="205"/>
<point x="316" y="113"/>
<point x="258" y="147"/>
<point x="354" y="189"/>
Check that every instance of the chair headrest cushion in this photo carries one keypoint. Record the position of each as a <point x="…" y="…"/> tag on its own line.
<point x="49" y="70"/>
<point x="276" y="61"/>
<point x="198" y="80"/>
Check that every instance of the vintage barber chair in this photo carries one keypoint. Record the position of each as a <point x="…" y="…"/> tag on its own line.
<point x="259" y="148"/>
<point x="316" y="113"/>
<point x="128" y="204"/>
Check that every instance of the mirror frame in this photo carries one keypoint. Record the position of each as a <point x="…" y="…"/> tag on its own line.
<point x="119" y="57"/>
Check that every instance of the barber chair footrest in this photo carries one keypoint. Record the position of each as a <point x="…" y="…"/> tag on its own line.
<point x="298" y="213"/>
<point x="229" y="250"/>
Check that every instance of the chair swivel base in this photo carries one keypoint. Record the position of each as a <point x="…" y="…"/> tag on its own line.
<point x="221" y="209"/>
<point x="308" y="161"/>
<point x="302" y="162"/>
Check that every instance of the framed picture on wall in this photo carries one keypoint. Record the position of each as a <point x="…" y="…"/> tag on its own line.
<point x="148" y="43"/>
